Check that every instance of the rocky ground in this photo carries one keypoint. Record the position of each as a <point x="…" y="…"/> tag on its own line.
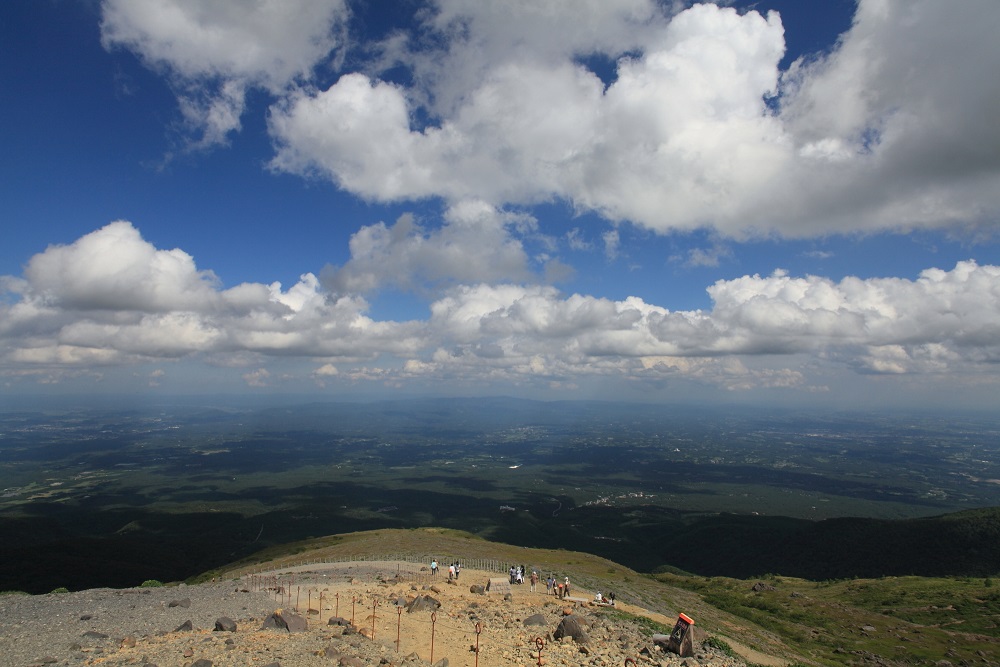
<point x="177" y="625"/>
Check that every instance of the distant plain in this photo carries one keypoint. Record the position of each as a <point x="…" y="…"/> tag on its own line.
<point x="111" y="496"/>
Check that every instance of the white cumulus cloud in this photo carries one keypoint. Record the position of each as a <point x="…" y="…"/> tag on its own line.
<point x="698" y="128"/>
<point x="111" y="298"/>
<point x="215" y="50"/>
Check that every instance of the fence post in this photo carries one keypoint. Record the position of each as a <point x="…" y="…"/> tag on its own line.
<point x="399" y="620"/>
<point x="434" y="618"/>
<point x="479" y="630"/>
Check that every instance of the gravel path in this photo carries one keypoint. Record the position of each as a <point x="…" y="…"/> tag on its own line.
<point x="72" y="628"/>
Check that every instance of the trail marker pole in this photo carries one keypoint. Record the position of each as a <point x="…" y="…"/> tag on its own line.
<point x="479" y="630"/>
<point x="399" y="620"/>
<point x="434" y="618"/>
<point x="336" y="609"/>
<point x="540" y="644"/>
<point x="353" y="601"/>
<point x="374" y="605"/>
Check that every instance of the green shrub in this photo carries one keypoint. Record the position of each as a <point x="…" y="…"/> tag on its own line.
<point x="719" y="645"/>
<point x="151" y="583"/>
<point x="61" y="589"/>
<point x="646" y="625"/>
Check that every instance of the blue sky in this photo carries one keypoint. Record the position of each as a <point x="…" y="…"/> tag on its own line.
<point x="783" y="203"/>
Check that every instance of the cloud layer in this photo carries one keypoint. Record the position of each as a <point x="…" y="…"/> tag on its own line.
<point x="667" y="121"/>
<point x="698" y="127"/>
<point x="635" y="112"/>
<point x="111" y="298"/>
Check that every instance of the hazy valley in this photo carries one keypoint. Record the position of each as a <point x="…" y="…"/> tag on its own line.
<point x="115" y="496"/>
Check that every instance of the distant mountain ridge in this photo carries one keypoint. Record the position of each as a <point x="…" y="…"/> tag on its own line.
<point x="959" y="544"/>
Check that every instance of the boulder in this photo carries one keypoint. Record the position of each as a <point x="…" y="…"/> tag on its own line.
<point x="285" y="620"/>
<point x="225" y="624"/>
<point x="423" y="603"/>
<point x="477" y="589"/>
<point x="183" y="603"/>
<point x="571" y="626"/>
<point x="186" y="626"/>
<point x="535" y="619"/>
<point x="294" y="622"/>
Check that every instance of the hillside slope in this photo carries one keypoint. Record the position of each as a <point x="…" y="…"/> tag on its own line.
<point x="885" y="621"/>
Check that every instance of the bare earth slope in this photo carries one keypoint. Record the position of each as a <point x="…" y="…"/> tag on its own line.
<point x="140" y="626"/>
<point x="337" y="576"/>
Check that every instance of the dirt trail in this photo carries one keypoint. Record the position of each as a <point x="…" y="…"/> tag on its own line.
<point x="366" y="594"/>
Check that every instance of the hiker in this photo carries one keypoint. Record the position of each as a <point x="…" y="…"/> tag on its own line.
<point x="534" y="580"/>
<point x="549" y="582"/>
<point x="458" y="568"/>
<point x="434" y="567"/>
<point x="566" y="591"/>
<point x="598" y="599"/>
<point x="451" y="572"/>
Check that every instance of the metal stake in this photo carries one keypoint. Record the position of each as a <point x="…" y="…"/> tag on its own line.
<point x="434" y="618"/>
<point x="479" y="630"/>
<point x="399" y="620"/>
